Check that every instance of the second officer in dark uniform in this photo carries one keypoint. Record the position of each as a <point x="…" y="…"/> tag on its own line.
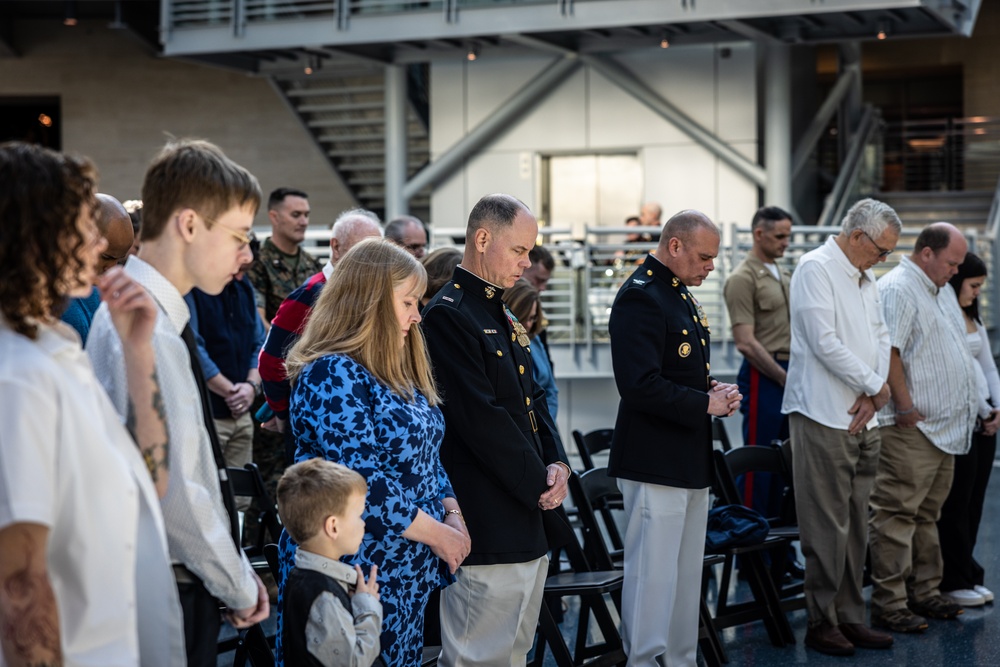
<point x="661" y="451"/>
<point x="499" y="447"/>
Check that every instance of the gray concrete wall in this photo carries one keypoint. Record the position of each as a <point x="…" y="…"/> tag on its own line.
<point x="120" y="101"/>
<point x="588" y="114"/>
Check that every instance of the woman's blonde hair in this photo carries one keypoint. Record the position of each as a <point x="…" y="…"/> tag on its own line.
<point x="355" y="316"/>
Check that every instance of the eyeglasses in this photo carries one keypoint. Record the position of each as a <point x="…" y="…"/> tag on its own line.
<point x="242" y="237"/>
<point x="882" y="252"/>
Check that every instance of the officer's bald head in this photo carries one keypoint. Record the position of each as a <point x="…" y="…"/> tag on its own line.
<point x="115" y="225"/>
<point x="493" y="213"/>
<point x="684" y="224"/>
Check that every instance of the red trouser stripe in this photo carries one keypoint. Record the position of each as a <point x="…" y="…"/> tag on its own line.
<point x="751" y="432"/>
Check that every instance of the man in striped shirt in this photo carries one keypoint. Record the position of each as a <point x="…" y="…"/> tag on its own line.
<point x="286" y="327"/>
<point x="928" y="420"/>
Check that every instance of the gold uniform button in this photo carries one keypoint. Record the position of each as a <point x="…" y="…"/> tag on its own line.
<point x="684" y="331"/>
<point x="708" y="367"/>
<point x="648" y="272"/>
<point x="703" y="342"/>
<point x="513" y="337"/>
<point x="693" y="317"/>
<point x="457" y="286"/>
<point x="527" y="401"/>
<point x="499" y="353"/>
<point x="521" y="369"/>
<point x="684" y="296"/>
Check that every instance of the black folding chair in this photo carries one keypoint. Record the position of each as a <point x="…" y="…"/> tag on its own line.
<point x="252" y="645"/>
<point x="592" y="443"/>
<point x="768" y="459"/>
<point x="592" y="587"/>
<point x="766" y="604"/>
<point x="594" y="487"/>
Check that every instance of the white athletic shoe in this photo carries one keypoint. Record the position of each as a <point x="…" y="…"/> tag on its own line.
<point x="985" y="592"/>
<point x="965" y="597"/>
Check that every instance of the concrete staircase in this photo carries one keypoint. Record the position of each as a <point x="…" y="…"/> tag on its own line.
<point x="967" y="209"/>
<point x="344" y="111"/>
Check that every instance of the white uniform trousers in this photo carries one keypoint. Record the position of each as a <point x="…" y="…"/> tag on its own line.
<point x="664" y="553"/>
<point x="489" y="615"/>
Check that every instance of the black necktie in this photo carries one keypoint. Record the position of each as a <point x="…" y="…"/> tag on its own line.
<point x="206" y="410"/>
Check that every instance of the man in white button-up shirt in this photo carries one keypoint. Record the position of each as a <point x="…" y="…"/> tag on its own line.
<point x="930" y="418"/>
<point x="198" y="208"/>
<point x="836" y="382"/>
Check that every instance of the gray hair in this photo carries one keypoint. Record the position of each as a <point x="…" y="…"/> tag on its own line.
<point x="871" y="217"/>
<point x="351" y="221"/>
<point x="395" y="228"/>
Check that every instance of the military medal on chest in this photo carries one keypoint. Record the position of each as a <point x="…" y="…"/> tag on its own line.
<point x="522" y="334"/>
<point x="702" y="318"/>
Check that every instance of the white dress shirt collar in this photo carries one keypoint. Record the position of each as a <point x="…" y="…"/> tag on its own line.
<point x="162" y="290"/>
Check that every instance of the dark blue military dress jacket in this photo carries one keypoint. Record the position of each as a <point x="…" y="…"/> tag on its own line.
<point x="660" y="353"/>
<point x="498" y="436"/>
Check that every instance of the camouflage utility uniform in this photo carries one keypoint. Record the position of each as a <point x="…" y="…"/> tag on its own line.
<point x="274" y="276"/>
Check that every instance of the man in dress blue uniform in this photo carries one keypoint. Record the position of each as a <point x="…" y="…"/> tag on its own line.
<point x="500" y="447"/>
<point x="661" y="451"/>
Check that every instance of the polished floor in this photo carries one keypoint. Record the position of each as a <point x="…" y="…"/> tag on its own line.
<point x="972" y="640"/>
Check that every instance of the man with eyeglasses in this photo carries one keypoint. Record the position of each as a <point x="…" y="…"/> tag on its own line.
<point x="836" y="382"/>
<point x="198" y="209"/>
<point x="930" y="419"/>
<point x="408" y="232"/>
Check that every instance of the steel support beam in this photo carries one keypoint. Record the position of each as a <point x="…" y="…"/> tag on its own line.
<point x="820" y="122"/>
<point x="849" y="57"/>
<point x="395" y="141"/>
<point x="778" y="125"/>
<point x="628" y="82"/>
<point x="506" y="115"/>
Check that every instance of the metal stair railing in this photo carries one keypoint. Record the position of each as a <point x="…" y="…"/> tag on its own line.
<point x="861" y="172"/>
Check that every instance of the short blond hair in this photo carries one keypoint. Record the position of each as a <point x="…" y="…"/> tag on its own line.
<point x="312" y="490"/>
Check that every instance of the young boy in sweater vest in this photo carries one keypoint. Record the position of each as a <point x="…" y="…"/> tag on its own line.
<point x="331" y="615"/>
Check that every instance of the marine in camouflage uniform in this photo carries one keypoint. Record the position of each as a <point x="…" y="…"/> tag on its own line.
<point x="274" y="276"/>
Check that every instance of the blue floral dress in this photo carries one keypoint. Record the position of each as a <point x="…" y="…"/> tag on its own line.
<point x="341" y="412"/>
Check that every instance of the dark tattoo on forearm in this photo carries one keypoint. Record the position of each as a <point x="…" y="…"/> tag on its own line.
<point x="156" y="456"/>
<point x="29" y="618"/>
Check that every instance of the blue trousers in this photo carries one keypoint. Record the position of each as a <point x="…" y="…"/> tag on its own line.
<point x="762" y="424"/>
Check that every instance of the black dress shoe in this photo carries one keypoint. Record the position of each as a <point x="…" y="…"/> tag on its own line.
<point x="796" y="570"/>
<point x="864" y="637"/>
<point x="828" y="639"/>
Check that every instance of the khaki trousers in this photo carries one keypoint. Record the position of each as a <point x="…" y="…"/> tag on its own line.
<point x="489" y="615"/>
<point x="913" y="481"/>
<point x="833" y="474"/>
<point x="236" y="438"/>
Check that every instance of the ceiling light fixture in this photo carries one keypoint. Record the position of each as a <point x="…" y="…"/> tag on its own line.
<point x="69" y="17"/>
<point x="883" y="31"/>
<point x="473" y="53"/>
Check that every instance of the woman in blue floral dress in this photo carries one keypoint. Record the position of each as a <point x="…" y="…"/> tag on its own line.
<point x="363" y="395"/>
